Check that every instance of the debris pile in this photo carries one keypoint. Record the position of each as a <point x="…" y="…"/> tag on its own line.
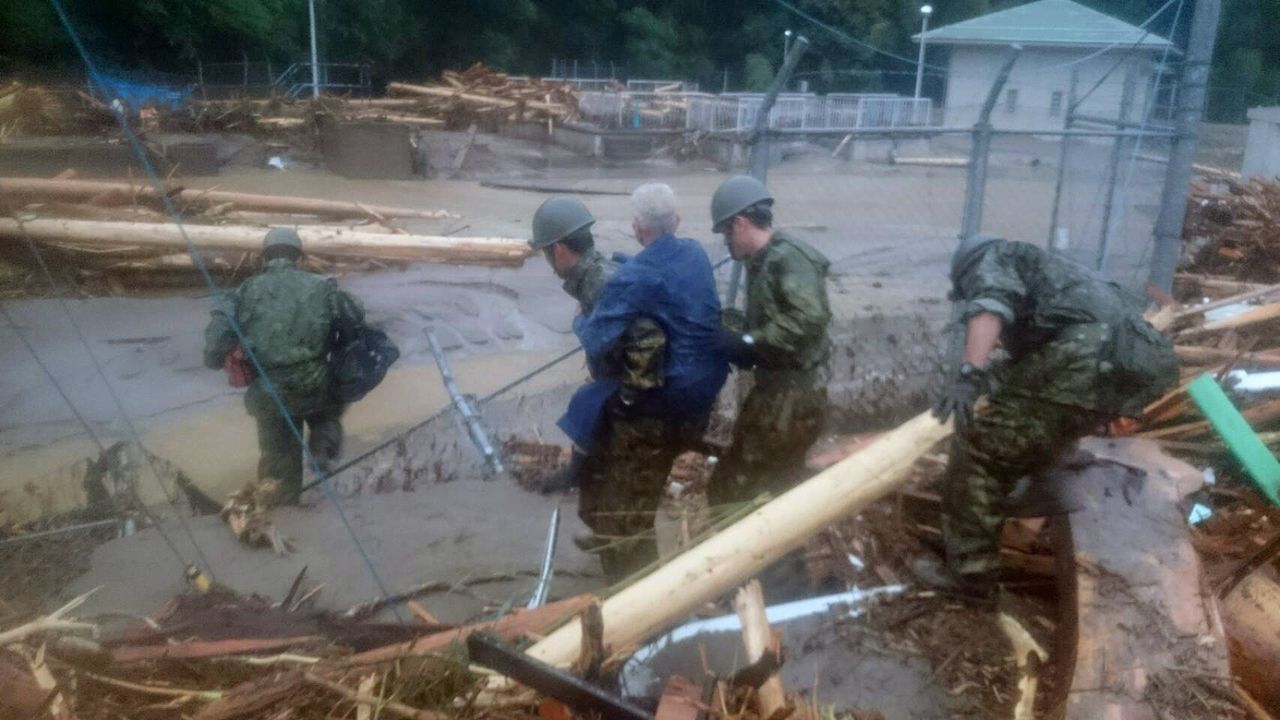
<point x="36" y="110"/>
<point x="476" y="96"/>
<point x="1235" y="233"/>
<point x="120" y="235"/>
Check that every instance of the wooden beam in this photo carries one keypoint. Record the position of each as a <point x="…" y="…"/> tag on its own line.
<point x="316" y="240"/>
<point x="742" y="550"/>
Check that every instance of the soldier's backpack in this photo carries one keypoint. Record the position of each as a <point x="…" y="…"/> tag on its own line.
<point x="360" y="365"/>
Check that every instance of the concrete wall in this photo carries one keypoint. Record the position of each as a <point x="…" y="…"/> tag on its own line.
<point x="1262" y="148"/>
<point x="1038" y="74"/>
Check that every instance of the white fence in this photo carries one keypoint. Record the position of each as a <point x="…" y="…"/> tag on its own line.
<point x="737" y="111"/>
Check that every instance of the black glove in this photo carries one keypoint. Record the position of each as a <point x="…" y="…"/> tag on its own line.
<point x="738" y="348"/>
<point x="967" y="385"/>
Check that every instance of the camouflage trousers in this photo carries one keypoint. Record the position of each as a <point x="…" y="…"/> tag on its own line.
<point x="780" y="419"/>
<point x="625" y="477"/>
<point x="1018" y="436"/>
<point x="281" y="454"/>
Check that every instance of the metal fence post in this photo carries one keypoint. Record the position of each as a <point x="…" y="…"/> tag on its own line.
<point x="759" y="141"/>
<point x="975" y="183"/>
<point x="1190" y="110"/>
<point x="1067" y="121"/>
<point x="1113" y="170"/>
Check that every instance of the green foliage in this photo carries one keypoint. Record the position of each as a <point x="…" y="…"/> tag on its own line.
<point x="702" y="40"/>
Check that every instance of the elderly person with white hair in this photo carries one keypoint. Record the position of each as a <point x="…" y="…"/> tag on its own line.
<point x="663" y="401"/>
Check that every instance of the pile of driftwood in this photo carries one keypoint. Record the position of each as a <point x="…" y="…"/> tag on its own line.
<point x="1233" y="229"/>
<point x="122" y="234"/>
<point x="37" y="110"/>
<point x="476" y="96"/>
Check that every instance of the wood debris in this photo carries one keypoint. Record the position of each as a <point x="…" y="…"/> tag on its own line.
<point x="247" y="513"/>
<point x="1236" y="231"/>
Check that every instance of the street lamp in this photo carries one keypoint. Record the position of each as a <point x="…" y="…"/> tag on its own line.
<point x="315" y="58"/>
<point x="786" y="45"/>
<point x="925" y="12"/>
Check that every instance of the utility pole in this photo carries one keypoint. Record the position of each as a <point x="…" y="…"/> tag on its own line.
<point x="925" y="12"/>
<point x="315" y="56"/>
<point x="1186" y="137"/>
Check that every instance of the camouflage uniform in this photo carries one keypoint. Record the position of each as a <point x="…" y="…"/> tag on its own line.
<point x="291" y="319"/>
<point x="1080" y="354"/>
<point x="787" y="316"/>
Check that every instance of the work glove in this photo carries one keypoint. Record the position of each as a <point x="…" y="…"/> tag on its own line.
<point x="738" y="348"/>
<point x="967" y="384"/>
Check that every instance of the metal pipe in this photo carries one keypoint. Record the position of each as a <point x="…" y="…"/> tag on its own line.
<point x="1113" y="172"/>
<point x="976" y="181"/>
<point x="61" y="531"/>
<point x="315" y="56"/>
<point x="1112" y="122"/>
<point x="938" y="130"/>
<point x="1191" y="100"/>
<point x="469" y="417"/>
<point x="758" y="139"/>
<point x="1067" y="121"/>
<point x="925" y="12"/>
<point x="544" y="577"/>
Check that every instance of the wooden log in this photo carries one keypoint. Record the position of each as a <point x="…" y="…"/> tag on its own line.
<point x="748" y="603"/>
<point x="1195" y="355"/>
<point x="1257" y="315"/>
<point x="44" y="189"/>
<point x="1251" y="613"/>
<point x="474" y="98"/>
<point x="316" y="240"/>
<point x="742" y="550"/>
<point x="1144" y="613"/>
<point x="1192" y="310"/>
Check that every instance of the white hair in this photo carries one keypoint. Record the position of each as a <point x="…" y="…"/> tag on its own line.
<point x="654" y="206"/>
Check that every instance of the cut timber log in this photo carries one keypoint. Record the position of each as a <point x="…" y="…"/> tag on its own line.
<point x="1251" y="613"/>
<point x="494" y="251"/>
<point x="1144" y="615"/>
<point x="742" y="550"/>
<point x="43" y="190"/>
<point x="1196" y="355"/>
<point x="489" y="100"/>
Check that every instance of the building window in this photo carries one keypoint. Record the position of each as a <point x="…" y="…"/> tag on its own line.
<point x="1055" y="103"/>
<point x="1011" y="101"/>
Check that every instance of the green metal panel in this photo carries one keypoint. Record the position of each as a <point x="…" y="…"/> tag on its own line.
<point x="1243" y="442"/>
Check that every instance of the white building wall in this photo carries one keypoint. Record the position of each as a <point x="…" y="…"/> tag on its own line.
<point x="1262" y="149"/>
<point x="1038" y="74"/>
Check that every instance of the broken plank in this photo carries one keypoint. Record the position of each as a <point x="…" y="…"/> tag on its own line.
<point x="509" y="627"/>
<point x="205" y="648"/>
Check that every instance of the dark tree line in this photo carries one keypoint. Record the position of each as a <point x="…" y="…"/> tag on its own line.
<point x="716" y="42"/>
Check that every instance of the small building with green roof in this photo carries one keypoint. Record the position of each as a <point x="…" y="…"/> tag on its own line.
<point x="1059" y="39"/>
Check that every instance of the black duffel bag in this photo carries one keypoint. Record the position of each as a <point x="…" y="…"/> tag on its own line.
<point x="359" y="366"/>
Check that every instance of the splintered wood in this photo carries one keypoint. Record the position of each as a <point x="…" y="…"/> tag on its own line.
<point x="1236" y="232"/>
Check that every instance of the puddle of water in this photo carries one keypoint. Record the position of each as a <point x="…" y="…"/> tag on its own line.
<point x="216" y="446"/>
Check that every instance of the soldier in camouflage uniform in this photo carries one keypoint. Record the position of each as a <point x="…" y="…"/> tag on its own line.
<point x="1080" y="355"/>
<point x="782" y="335"/>
<point x="291" y="320"/>
<point x="653" y="328"/>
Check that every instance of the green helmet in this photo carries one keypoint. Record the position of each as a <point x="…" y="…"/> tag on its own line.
<point x="557" y="219"/>
<point x="282" y="237"/>
<point x="735" y="195"/>
<point x="969" y="252"/>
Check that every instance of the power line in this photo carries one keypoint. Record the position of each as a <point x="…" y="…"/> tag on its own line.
<point x="851" y="39"/>
<point x="201" y="266"/>
<point x="1108" y="48"/>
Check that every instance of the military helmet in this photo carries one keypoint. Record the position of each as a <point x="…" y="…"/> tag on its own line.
<point x="735" y="195"/>
<point x="557" y="219"/>
<point x="969" y="252"/>
<point x="281" y="237"/>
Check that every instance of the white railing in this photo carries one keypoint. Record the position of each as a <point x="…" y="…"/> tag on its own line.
<point x="737" y="111"/>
